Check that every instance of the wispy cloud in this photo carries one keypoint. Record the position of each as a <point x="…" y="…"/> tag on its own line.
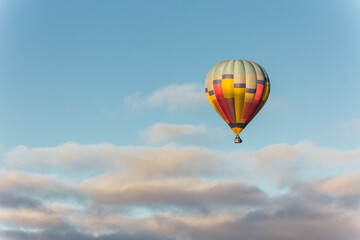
<point x="162" y="133"/>
<point x="278" y="104"/>
<point x="173" y="97"/>
<point x="351" y="127"/>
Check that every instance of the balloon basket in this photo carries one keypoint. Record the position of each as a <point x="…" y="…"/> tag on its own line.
<point x="237" y="139"/>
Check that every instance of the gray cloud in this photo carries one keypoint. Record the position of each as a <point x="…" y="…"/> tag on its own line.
<point x="11" y="199"/>
<point x="72" y="233"/>
<point x="294" y="216"/>
<point x="339" y="190"/>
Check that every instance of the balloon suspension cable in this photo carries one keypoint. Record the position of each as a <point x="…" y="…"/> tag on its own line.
<point x="237" y="139"/>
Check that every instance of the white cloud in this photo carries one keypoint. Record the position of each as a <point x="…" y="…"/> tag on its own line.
<point x="33" y="218"/>
<point x="305" y="152"/>
<point x="134" y="162"/>
<point x="162" y="133"/>
<point x="344" y="185"/>
<point x="177" y="192"/>
<point x="287" y="163"/>
<point x="37" y="185"/>
<point x="173" y="97"/>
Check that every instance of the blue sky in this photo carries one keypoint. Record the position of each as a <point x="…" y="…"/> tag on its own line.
<point x="93" y="91"/>
<point x="66" y="67"/>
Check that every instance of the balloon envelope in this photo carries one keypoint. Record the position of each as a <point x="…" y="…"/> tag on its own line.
<point x="237" y="90"/>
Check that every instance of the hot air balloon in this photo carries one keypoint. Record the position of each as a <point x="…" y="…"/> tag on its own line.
<point x="237" y="90"/>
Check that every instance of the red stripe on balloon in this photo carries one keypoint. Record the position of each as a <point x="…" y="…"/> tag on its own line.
<point x="217" y="105"/>
<point x="220" y="97"/>
<point x="247" y="106"/>
<point x="256" y="101"/>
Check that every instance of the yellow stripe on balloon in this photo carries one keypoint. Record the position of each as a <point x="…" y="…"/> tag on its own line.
<point x="266" y="91"/>
<point x="239" y="102"/>
<point x="228" y="87"/>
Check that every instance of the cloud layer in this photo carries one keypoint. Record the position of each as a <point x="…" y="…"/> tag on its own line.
<point x="103" y="191"/>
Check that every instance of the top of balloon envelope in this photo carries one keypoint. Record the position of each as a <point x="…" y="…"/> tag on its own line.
<point x="237" y="90"/>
